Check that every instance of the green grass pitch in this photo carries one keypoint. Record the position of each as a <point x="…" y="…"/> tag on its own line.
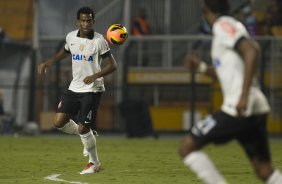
<point x="29" y="159"/>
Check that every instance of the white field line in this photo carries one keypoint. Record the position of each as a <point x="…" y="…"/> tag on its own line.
<point x="54" y="177"/>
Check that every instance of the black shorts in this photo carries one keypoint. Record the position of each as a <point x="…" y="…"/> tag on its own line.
<point x="220" y="128"/>
<point x="82" y="106"/>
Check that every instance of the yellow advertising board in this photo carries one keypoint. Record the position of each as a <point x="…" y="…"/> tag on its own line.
<point x="157" y="76"/>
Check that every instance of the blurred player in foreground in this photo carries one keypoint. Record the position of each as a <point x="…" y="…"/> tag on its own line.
<point x="87" y="49"/>
<point x="244" y="111"/>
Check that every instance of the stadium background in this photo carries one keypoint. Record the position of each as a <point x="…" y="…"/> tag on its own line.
<point x="35" y="29"/>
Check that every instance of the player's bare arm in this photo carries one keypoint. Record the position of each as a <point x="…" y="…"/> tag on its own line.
<point x="249" y="51"/>
<point x="194" y="63"/>
<point x="62" y="54"/>
<point x="110" y="67"/>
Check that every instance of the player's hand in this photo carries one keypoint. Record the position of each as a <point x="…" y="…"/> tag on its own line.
<point x="89" y="79"/>
<point x="42" y="68"/>
<point x="191" y="61"/>
<point x="242" y="106"/>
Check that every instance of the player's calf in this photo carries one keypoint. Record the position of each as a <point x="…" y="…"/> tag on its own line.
<point x="187" y="146"/>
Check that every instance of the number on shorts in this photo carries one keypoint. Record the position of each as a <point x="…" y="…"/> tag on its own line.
<point x="205" y="125"/>
<point x="89" y="115"/>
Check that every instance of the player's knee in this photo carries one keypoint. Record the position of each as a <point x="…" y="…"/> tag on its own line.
<point x="187" y="146"/>
<point x="59" y="122"/>
<point x="83" y="128"/>
<point x="264" y="173"/>
<point x="263" y="169"/>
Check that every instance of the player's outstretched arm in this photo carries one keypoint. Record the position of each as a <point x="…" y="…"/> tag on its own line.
<point x="110" y="67"/>
<point x="193" y="63"/>
<point x="42" y="67"/>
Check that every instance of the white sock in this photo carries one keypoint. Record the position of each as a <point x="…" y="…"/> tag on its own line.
<point x="275" y="178"/>
<point x="85" y="152"/>
<point x="89" y="142"/>
<point x="204" y="168"/>
<point x="70" y="127"/>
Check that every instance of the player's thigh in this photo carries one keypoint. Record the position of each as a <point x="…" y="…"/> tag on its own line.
<point x="69" y="103"/>
<point x="217" y="128"/>
<point x="61" y="119"/>
<point x="90" y="103"/>
<point x="95" y="106"/>
<point x="255" y="139"/>
<point x="255" y="143"/>
<point x="67" y="106"/>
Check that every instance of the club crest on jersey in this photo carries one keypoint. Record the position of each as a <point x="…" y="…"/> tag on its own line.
<point x="81" y="47"/>
<point x="80" y="57"/>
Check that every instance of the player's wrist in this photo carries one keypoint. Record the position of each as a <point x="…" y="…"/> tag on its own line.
<point x="49" y="62"/>
<point x="96" y="76"/>
<point x="202" y="67"/>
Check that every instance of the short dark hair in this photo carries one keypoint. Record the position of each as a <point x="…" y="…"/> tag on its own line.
<point x="85" y="10"/>
<point x="218" y="6"/>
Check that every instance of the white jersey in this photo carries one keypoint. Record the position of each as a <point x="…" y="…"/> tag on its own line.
<point x="86" y="60"/>
<point x="229" y="67"/>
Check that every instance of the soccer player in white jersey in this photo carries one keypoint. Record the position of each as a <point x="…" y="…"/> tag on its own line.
<point x="88" y="49"/>
<point x="244" y="110"/>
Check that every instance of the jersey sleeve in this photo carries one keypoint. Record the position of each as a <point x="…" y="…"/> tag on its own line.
<point x="67" y="48"/>
<point x="228" y="32"/>
<point x="103" y="46"/>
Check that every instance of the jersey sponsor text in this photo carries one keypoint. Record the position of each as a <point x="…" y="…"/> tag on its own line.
<point x="80" y="57"/>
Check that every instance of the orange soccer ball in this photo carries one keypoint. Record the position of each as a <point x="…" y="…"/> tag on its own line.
<point x="117" y="34"/>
